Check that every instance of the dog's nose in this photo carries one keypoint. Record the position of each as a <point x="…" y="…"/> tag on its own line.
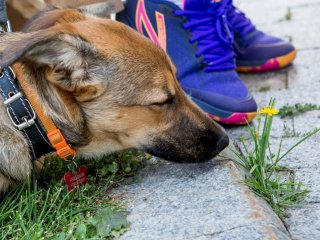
<point x="223" y="143"/>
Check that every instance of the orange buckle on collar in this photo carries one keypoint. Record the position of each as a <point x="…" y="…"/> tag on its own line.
<point x="57" y="140"/>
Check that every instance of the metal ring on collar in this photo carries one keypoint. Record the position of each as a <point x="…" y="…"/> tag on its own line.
<point x="27" y="122"/>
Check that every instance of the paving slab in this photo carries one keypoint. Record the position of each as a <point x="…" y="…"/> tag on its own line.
<point x="311" y="178"/>
<point x="304" y="223"/>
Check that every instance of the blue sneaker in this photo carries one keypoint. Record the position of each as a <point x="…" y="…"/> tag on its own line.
<point x="199" y="42"/>
<point x="255" y="50"/>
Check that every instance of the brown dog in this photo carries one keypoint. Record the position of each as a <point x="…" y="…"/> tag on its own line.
<point x="107" y="88"/>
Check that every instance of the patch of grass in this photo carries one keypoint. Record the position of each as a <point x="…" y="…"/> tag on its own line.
<point x="48" y="211"/>
<point x="261" y="165"/>
<point x="291" y="111"/>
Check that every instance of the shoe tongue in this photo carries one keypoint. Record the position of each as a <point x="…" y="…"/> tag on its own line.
<point x="198" y="5"/>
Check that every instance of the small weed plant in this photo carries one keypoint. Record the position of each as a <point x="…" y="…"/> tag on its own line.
<point x="262" y="171"/>
<point x="48" y="211"/>
<point x="288" y="15"/>
<point x="296" y="109"/>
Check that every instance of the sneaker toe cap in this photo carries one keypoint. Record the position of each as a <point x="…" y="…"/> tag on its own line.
<point x="268" y="51"/>
<point x="221" y="105"/>
<point x="266" y="47"/>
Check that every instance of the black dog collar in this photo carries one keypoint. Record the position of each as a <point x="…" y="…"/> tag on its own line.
<point x="22" y="115"/>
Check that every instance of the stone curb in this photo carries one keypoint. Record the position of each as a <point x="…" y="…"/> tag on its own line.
<point x="196" y="202"/>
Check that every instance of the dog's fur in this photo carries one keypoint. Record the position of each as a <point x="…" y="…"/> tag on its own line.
<point x="107" y="88"/>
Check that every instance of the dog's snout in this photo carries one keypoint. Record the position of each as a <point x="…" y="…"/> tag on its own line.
<point x="223" y="143"/>
<point x="192" y="139"/>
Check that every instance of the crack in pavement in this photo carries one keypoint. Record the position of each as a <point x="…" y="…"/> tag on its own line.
<point x="237" y="227"/>
<point x="216" y="233"/>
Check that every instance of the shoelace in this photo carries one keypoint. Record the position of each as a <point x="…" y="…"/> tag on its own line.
<point x="239" y="22"/>
<point x="214" y="38"/>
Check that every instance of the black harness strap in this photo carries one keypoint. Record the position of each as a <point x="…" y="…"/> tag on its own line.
<point x="18" y="107"/>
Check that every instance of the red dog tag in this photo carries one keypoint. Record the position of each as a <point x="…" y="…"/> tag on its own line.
<point x="76" y="179"/>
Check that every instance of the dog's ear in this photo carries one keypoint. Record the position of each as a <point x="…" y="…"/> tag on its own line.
<point x="59" y="56"/>
<point x="14" y="46"/>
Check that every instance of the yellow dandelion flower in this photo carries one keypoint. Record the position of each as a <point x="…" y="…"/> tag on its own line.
<point x="269" y="111"/>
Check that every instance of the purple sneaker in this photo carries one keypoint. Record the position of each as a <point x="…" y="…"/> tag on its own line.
<point x="199" y="41"/>
<point x="255" y="50"/>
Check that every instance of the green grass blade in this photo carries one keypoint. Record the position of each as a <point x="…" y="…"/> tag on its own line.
<point x="299" y="142"/>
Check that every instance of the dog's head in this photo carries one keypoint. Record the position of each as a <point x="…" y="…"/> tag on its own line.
<point x="109" y="88"/>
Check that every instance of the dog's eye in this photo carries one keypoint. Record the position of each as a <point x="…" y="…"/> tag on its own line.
<point x="166" y="102"/>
